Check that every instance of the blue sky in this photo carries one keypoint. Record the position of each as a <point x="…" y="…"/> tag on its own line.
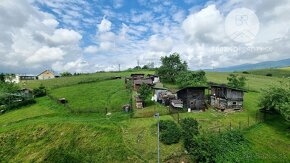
<point x="97" y="35"/>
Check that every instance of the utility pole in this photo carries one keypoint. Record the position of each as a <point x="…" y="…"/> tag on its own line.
<point x="138" y="63"/>
<point x="119" y="67"/>
<point x="158" y="143"/>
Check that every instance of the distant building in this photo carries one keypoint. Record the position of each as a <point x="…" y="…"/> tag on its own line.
<point x="158" y="90"/>
<point x="166" y="97"/>
<point x="138" y="82"/>
<point x="192" y="97"/>
<point x="154" y="78"/>
<point x="46" y="75"/>
<point x="18" y="78"/>
<point x="224" y="97"/>
<point x="137" y="76"/>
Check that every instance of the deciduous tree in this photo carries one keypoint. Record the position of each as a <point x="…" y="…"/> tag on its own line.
<point x="171" y="67"/>
<point x="236" y="81"/>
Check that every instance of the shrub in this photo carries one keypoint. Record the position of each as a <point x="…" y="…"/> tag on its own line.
<point x="19" y="104"/>
<point x="40" y="91"/>
<point x="236" y="81"/>
<point x="189" y="127"/>
<point x="269" y="74"/>
<point x="245" y="72"/>
<point x="230" y="146"/>
<point x="170" y="133"/>
<point x="277" y="98"/>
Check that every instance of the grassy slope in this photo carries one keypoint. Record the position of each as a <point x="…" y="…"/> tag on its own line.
<point x="95" y="97"/>
<point x="73" y="80"/>
<point x="276" y="72"/>
<point x="37" y="132"/>
<point x="254" y="82"/>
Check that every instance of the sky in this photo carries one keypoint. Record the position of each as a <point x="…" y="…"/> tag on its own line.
<point x="100" y="35"/>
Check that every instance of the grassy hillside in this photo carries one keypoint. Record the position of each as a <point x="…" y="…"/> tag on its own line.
<point x="254" y="82"/>
<point x="47" y="131"/>
<point x="79" y="79"/>
<point x="95" y="97"/>
<point x="275" y="72"/>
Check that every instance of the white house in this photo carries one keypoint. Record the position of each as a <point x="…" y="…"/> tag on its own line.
<point x="46" y="75"/>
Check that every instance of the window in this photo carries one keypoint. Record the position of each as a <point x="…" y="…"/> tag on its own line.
<point x="234" y="103"/>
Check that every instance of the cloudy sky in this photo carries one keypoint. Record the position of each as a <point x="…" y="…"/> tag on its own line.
<point x="95" y="35"/>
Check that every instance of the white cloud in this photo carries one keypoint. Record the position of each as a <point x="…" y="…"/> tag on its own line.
<point x="31" y="41"/>
<point x="50" y="23"/>
<point x="205" y="26"/>
<point x="64" y="36"/>
<point x="45" y="55"/>
<point x="78" y="65"/>
<point x="91" y="49"/>
<point x="159" y="44"/>
<point x="105" y="25"/>
<point x="53" y="40"/>
<point x="118" y="3"/>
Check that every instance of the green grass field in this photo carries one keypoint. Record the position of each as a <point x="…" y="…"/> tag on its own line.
<point x="275" y="72"/>
<point x="95" y="97"/>
<point x="49" y="132"/>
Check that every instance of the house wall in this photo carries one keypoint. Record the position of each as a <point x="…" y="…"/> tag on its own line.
<point x="192" y="98"/>
<point x="46" y="75"/>
<point x="234" y="94"/>
<point x="232" y="104"/>
<point x="15" y="79"/>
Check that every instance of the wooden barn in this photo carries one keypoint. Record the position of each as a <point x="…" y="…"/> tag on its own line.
<point x="138" y="82"/>
<point x="137" y="76"/>
<point x="224" y="97"/>
<point x="166" y="97"/>
<point x="192" y="97"/>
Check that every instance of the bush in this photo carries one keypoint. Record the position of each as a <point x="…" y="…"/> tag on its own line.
<point x="189" y="127"/>
<point x="269" y="74"/>
<point x="245" y="72"/>
<point x="19" y="104"/>
<point x="277" y="98"/>
<point x="230" y="146"/>
<point x="169" y="132"/>
<point x="40" y="91"/>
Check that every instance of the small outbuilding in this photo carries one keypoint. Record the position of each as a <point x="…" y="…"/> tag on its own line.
<point x="154" y="78"/>
<point x="138" y="82"/>
<point x="139" y="102"/>
<point x="137" y="76"/>
<point x="166" y="97"/>
<point x="158" y="89"/>
<point x="192" y="97"/>
<point x="225" y="97"/>
<point x="177" y="103"/>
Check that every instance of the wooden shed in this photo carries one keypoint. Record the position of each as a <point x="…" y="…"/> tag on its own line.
<point x="139" y="102"/>
<point x="224" y="97"/>
<point x="177" y="103"/>
<point x="192" y="97"/>
<point x="138" y="82"/>
<point x="137" y="76"/>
